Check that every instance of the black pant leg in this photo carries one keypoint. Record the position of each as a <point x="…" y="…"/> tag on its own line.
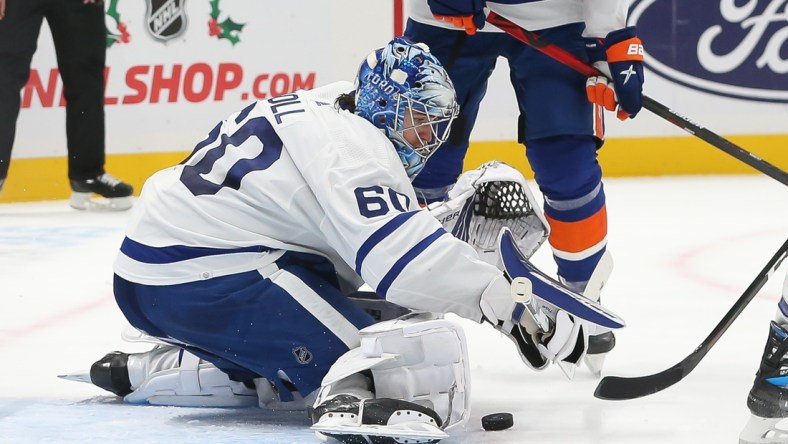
<point x="18" y="38"/>
<point x="79" y="33"/>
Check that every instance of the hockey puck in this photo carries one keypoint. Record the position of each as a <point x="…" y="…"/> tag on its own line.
<point x="497" y="421"/>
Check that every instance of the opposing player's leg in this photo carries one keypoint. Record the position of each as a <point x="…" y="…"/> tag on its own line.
<point x="768" y="398"/>
<point x="409" y="379"/>
<point x="570" y="178"/>
<point x="469" y="65"/>
<point x="562" y="132"/>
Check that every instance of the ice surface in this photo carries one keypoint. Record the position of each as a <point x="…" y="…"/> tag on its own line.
<point x="684" y="250"/>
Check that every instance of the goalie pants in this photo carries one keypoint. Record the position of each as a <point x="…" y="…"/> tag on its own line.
<point x="295" y="321"/>
<point x="561" y="129"/>
<point x="80" y="37"/>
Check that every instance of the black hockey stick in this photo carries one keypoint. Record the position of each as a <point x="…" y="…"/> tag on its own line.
<point x="621" y="388"/>
<point x="532" y="39"/>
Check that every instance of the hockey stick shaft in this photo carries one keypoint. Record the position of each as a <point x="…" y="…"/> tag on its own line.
<point x="532" y="39"/>
<point x="621" y="388"/>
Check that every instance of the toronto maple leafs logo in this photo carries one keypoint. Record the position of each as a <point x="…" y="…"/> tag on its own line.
<point x="166" y="19"/>
<point x="226" y="29"/>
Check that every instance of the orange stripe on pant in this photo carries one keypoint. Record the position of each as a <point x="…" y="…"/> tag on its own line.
<point x="574" y="237"/>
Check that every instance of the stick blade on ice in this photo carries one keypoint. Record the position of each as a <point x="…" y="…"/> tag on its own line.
<point x="616" y="388"/>
<point x="620" y="388"/>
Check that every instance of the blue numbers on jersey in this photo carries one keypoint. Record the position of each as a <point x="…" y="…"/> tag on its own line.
<point x="253" y="147"/>
<point x="376" y="200"/>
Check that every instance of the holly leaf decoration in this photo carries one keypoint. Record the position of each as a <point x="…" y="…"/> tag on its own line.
<point x="230" y="30"/>
<point x="214" y="8"/>
<point x="112" y="36"/>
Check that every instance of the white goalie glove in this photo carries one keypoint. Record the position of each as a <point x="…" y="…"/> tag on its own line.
<point x="565" y="340"/>
<point x="486" y="199"/>
<point x="542" y="333"/>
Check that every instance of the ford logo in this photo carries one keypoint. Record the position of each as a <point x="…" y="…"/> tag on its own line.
<point x="734" y="48"/>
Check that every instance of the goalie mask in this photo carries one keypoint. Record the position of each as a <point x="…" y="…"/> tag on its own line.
<point x="403" y="90"/>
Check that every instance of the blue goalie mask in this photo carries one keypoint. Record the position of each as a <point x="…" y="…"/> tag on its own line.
<point x="403" y="90"/>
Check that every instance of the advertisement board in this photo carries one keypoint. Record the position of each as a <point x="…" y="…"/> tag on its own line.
<point x="176" y="67"/>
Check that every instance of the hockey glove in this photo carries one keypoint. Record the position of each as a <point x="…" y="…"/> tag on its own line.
<point x="466" y="14"/>
<point x="499" y="308"/>
<point x="620" y="57"/>
<point x="485" y="200"/>
<point x="566" y="342"/>
<point x="541" y="332"/>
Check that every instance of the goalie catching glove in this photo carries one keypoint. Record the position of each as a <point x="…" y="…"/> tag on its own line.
<point x="487" y="199"/>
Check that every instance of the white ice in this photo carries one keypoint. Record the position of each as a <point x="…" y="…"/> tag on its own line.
<point x="685" y="249"/>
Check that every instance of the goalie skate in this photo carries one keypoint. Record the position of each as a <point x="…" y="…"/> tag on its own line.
<point x="350" y="420"/>
<point x="551" y="291"/>
<point x="109" y="373"/>
<point x="81" y="376"/>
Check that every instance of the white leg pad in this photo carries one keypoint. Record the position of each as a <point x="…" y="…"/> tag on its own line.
<point x="418" y="359"/>
<point x="159" y="377"/>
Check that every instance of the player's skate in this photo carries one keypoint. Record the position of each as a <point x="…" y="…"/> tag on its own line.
<point x="768" y="398"/>
<point x="350" y="420"/>
<point x="113" y="195"/>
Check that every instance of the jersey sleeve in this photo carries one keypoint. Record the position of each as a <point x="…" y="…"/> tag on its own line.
<point x="371" y="218"/>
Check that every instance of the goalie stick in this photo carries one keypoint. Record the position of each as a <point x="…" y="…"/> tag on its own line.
<point x="551" y="291"/>
<point x="621" y="388"/>
<point x="532" y="39"/>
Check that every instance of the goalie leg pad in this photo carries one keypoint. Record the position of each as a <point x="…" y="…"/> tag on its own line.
<point x="416" y="359"/>
<point x="169" y="375"/>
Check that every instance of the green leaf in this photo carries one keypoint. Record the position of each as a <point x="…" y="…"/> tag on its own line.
<point x="112" y="10"/>
<point x="215" y="8"/>
<point x="230" y="30"/>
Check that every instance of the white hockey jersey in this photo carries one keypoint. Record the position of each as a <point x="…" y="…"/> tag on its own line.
<point x="600" y="16"/>
<point x="293" y="173"/>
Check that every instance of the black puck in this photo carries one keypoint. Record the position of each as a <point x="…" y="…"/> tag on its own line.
<point x="497" y="421"/>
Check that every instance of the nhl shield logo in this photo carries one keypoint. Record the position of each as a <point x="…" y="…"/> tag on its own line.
<point x="166" y="19"/>
<point x="302" y="355"/>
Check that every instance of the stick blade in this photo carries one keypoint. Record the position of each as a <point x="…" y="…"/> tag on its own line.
<point x="617" y="388"/>
<point x="83" y="376"/>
